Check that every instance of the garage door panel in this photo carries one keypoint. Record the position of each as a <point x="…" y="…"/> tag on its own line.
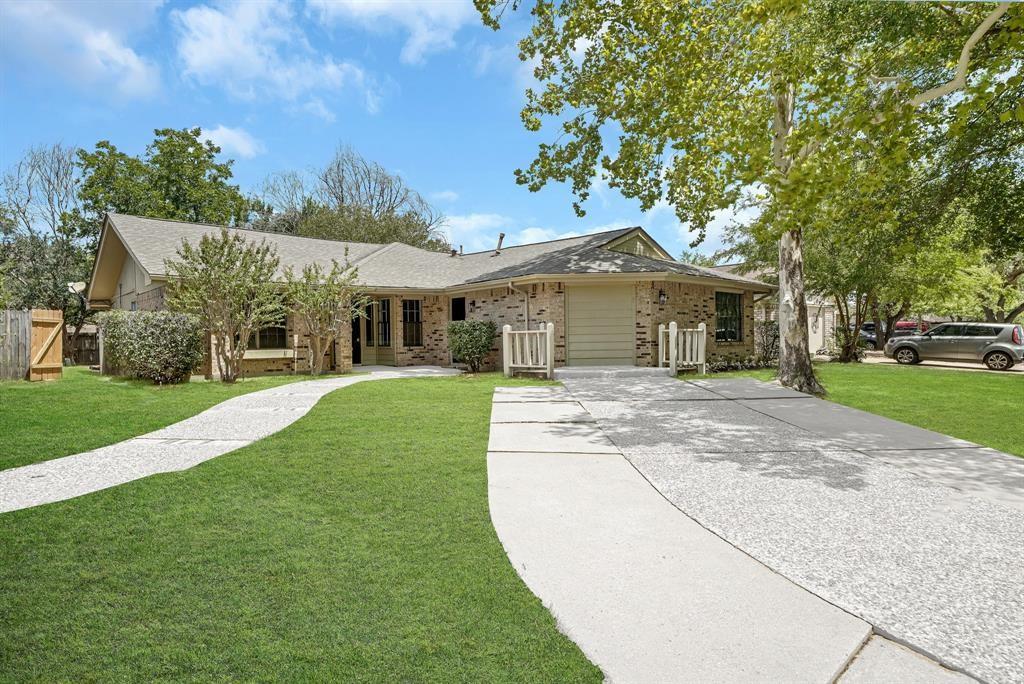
<point x="590" y="347"/>
<point x="600" y="325"/>
<point x="597" y="314"/>
<point x="620" y="338"/>
<point x="598" y="335"/>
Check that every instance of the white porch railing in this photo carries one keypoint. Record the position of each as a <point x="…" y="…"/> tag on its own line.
<point x="529" y="350"/>
<point x="682" y="348"/>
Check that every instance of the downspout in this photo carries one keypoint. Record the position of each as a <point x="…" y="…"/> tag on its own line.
<point x="526" y="301"/>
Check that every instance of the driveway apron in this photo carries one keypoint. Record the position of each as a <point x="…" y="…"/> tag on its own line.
<point x="230" y="425"/>
<point x="919" y="534"/>
<point x="647" y="593"/>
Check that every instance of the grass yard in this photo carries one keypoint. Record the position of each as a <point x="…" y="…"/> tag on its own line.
<point x="986" y="408"/>
<point x="354" y="545"/>
<point x="83" y="411"/>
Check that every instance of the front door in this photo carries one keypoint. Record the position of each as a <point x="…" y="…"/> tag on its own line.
<point x="357" y="340"/>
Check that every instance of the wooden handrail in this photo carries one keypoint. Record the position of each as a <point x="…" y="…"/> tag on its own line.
<point x="529" y="350"/>
<point x="685" y="348"/>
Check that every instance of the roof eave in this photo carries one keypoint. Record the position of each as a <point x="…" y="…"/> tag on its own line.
<point x="627" y="276"/>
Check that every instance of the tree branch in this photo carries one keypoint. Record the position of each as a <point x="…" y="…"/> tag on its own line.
<point x="1013" y="313"/>
<point x="959" y="79"/>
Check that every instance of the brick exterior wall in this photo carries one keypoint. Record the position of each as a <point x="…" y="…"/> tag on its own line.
<point x="687" y="305"/>
<point x="434" y="350"/>
<point x="505" y="307"/>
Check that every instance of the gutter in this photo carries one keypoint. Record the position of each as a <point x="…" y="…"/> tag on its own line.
<point x="526" y="301"/>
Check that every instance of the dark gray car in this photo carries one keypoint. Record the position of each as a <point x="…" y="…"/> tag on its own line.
<point x="998" y="345"/>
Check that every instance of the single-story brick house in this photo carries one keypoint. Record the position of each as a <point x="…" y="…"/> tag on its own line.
<point x="606" y="294"/>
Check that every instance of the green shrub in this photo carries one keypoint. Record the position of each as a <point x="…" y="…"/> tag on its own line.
<point x="161" y="346"/>
<point x="766" y="342"/>
<point x="742" y="364"/>
<point x="471" y="341"/>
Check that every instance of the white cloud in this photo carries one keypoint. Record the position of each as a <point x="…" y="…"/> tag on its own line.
<point x="234" y="140"/>
<point x="479" y="232"/>
<point x="255" y="50"/>
<point x="431" y="24"/>
<point x="476" y="232"/>
<point x="317" y="108"/>
<point x="85" y="42"/>
<point x="444" y="196"/>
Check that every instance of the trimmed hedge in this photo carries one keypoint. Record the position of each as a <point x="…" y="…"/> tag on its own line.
<point x="471" y="341"/>
<point x="161" y="346"/>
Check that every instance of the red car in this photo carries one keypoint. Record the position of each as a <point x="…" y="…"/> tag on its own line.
<point x="908" y="328"/>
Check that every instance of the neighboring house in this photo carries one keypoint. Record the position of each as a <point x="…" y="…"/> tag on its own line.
<point x="87" y="345"/>
<point x="821" y="314"/>
<point x="605" y="293"/>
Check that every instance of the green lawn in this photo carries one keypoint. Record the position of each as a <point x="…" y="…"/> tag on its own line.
<point x="986" y="408"/>
<point x="84" y="411"/>
<point x="354" y="545"/>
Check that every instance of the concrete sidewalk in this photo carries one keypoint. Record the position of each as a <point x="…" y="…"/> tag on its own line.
<point x="225" y="427"/>
<point x="919" y="534"/>
<point x="647" y="593"/>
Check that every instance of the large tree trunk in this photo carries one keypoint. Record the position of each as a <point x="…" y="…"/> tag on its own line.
<point x="795" y="369"/>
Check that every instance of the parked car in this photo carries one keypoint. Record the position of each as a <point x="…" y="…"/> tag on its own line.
<point x="998" y="345"/>
<point x="908" y="328"/>
<point x="868" y="338"/>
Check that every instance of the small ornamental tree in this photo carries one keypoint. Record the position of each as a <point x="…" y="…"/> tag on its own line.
<point x="227" y="283"/>
<point x="471" y="341"/>
<point x="326" y="302"/>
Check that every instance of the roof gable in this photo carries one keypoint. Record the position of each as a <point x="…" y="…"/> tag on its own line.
<point x="638" y="243"/>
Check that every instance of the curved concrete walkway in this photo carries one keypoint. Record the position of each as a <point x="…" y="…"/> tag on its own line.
<point x="230" y="425"/>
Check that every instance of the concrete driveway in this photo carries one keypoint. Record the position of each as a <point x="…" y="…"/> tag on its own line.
<point x="880" y="358"/>
<point x="658" y="519"/>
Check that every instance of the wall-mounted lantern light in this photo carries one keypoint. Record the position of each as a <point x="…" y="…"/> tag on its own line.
<point x="662" y="297"/>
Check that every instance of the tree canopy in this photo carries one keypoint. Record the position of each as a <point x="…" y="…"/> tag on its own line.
<point x="351" y="198"/>
<point x="696" y="103"/>
<point x="46" y="243"/>
<point x="178" y="177"/>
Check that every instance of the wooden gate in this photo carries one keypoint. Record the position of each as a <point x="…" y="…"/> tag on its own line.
<point x="47" y="344"/>
<point x="31" y="344"/>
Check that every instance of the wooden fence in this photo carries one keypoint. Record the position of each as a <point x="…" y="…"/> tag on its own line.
<point x="31" y="344"/>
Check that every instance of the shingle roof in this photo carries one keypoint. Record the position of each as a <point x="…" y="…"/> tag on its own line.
<point x="152" y="241"/>
<point x="397" y="265"/>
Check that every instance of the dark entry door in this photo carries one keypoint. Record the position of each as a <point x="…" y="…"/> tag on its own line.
<point x="357" y="341"/>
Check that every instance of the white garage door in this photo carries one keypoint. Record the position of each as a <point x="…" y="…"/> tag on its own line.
<point x="600" y="325"/>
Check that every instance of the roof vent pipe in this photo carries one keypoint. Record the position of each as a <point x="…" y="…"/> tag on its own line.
<point x="460" y="250"/>
<point x="501" y="238"/>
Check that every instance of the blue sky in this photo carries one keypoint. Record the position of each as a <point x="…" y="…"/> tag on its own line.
<point x="421" y="87"/>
